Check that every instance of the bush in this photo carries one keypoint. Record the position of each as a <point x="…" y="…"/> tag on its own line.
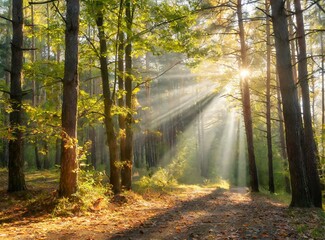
<point x="91" y="195"/>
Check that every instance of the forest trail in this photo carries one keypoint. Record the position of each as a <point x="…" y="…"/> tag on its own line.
<point x="193" y="213"/>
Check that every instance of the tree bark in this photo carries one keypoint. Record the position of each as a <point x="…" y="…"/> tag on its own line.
<point x="121" y="119"/>
<point x="246" y="103"/>
<point x="309" y="140"/>
<point x="5" y="151"/>
<point x="291" y="26"/>
<point x="16" y="180"/>
<point x="291" y="107"/>
<point x="323" y="106"/>
<point x="268" y="99"/>
<point x="34" y="101"/>
<point x="282" y="138"/>
<point x="69" y="161"/>
<point x="46" y="157"/>
<point x="58" y="140"/>
<point x="37" y="158"/>
<point x="109" y="124"/>
<point x="57" y="151"/>
<point x="127" y="164"/>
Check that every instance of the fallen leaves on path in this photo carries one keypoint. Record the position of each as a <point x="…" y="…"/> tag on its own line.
<point x="188" y="214"/>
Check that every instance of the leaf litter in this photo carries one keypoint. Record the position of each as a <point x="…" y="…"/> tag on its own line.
<point x="205" y="213"/>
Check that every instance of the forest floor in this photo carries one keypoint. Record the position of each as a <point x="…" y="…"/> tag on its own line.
<point x="186" y="213"/>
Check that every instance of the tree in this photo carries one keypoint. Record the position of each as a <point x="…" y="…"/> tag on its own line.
<point x="291" y="107"/>
<point x="108" y="103"/>
<point x="69" y="160"/>
<point x="282" y="143"/>
<point x="268" y="99"/>
<point x="120" y="74"/>
<point x="4" y="72"/>
<point x="309" y="140"/>
<point x="246" y="101"/>
<point x="323" y="104"/>
<point x="127" y="164"/>
<point x="16" y="181"/>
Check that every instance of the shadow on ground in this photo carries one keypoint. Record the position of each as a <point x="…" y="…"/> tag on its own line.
<point x="221" y="214"/>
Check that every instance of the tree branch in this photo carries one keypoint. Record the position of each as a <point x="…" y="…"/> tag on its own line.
<point x="159" y="75"/>
<point x="44" y="2"/>
<point x="58" y="11"/>
<point x="4" y="91"/>
<point x="5" y="18"/>
<point x="318" y="5"/>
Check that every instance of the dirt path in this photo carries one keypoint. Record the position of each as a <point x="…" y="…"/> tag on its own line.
<point x="193" y="214"/>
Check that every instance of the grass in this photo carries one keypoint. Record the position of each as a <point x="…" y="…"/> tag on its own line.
<point x="281" y="196"/>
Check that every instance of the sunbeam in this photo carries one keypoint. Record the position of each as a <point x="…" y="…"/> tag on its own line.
<point x="194" y="127"/>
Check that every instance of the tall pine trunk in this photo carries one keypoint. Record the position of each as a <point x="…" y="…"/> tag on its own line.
<point x="127" y="164"/>
<point x="69" y="161"/>
<point x="58" y="140"/>
<point x="268" y="99"/>
<point x="246" y="102"/>
<point x="34" y="87"/>
<point x="283" y="148"/>
<point x="5" y="146"/>
<point x="309" y="140"/>
<point x="293" y="47"/>
<point x="108" y="103"/>
<point x="291" y="107"/>
<point x="16" y="180"/>
<point x="121" y="119"/>
<point x="323" y="106"/>
<point x="120" y="74"/>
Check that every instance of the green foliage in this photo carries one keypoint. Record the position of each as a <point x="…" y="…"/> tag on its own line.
<point x="160" y="180"/>
<point x="47" y="73"/>
<point x="91" y="191"/>
<point x="42" y="130"/>
<point x="168" y="176"/>
<point x="91" y="109"/>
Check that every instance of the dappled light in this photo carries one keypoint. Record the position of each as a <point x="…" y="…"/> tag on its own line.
<point x="183" y="119"/>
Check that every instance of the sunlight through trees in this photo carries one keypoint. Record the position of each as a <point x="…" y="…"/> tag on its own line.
<point x="119" y="95"/>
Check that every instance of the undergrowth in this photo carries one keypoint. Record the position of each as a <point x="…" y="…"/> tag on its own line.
<point x="92" y="195"/>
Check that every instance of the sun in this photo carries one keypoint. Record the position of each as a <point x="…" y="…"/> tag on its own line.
<point x="244" y="73"/>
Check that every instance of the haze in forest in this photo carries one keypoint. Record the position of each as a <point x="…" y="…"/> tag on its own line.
<point x="156" y="94"/>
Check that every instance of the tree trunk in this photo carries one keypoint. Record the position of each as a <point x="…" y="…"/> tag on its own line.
<point x="69" y="161"/>
<point x="34" y="101"/>
<point x="57" y="151"/>
<point x="109" y="124"/>
<point x="291" y="26"/>
<point x="16" y="180"/>
<point x="92" y="136"/>
<point x="246" y="103"/>
<point x="37" y="158"/>
<point x="200" y="150"/>
<point x="309" y="144"/>
<point x="58" y="140"/>
<point x="291" y="108"/>
<point x="5" y="152"/>
<point x="46" y="157"/>
<point x="127" y="164"/>
<point x="323" y="106"/>
<point x="121" y="119"/>
<point x="282" y="139"/>
<point x="268" y="99"/>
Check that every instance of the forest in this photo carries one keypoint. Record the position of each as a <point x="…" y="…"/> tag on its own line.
<point x="165" y="119"/>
